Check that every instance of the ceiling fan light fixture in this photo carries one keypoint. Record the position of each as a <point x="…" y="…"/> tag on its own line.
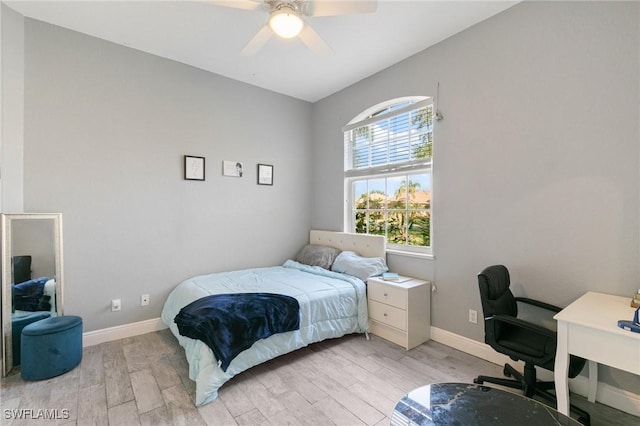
<point x="286" y="23"/>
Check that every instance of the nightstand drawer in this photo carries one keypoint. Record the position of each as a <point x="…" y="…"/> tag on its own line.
<point x="388" y="315"/>
<point x="387" y="294"/>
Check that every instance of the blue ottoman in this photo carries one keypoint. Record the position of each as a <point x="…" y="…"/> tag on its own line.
<point x="18" y="322"/>
<point x="51" y="347"/>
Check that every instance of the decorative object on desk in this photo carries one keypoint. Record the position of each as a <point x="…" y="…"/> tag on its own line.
<point x="265" y="174"/>
<point x="390" y="276"/>
<point x="193" y="168"/>
<point x="635" y="300"/>
<point x="232" y="168"/>
<point x="631" y="325"/>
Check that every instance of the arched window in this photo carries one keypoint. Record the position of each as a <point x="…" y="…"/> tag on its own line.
<point x="387" y="170"/>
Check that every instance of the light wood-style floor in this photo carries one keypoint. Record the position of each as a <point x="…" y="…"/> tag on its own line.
<point x="348" y="381"/>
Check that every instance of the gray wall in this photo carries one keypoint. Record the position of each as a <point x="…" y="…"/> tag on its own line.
<point x="105" y="131"/>
<point x="536" y="160"/>
<point x="35" y="238"/>
<point x="11" y="109"/>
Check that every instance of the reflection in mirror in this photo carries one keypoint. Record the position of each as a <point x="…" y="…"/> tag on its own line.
<point x="31" y="276"/>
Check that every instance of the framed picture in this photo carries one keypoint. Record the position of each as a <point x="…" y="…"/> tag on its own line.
<point x="232" y="168"/>
<point x="193" y="168"/>
<point x="265" y="174"/>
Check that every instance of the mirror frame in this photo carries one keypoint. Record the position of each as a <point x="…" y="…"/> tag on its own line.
<point x="6" y="219"/>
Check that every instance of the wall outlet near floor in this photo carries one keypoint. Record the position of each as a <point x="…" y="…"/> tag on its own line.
<point x="473" y="316"/>
<point x="116" y="305"/>
<point x="144" y="300"/>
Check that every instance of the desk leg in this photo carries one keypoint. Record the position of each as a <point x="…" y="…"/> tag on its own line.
<point x="561" y="368"/>
<point x="593" y="380"/>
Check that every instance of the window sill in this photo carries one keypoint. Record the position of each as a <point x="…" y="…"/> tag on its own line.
<point x="427" y="256"/>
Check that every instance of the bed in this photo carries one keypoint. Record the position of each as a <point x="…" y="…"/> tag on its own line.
<point x="331" y="304"/>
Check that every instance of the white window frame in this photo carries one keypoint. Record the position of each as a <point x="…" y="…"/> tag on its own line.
<point x="423" y="165"/>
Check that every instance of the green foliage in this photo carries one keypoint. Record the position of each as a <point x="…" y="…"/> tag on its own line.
<point x="407" y="222"/>
<point x="423" y="118"/>
<point x="360" y="133"/>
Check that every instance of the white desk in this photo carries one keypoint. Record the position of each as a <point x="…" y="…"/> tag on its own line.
<point x="589" y="328"/>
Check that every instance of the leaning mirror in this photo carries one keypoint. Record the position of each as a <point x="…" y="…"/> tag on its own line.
<point x="32" y="276"/>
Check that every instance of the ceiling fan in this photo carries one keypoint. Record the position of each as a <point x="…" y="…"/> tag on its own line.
<point x="286" y="19"/>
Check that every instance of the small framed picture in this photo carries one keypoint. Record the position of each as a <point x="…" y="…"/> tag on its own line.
<point x="265" y="174"/>
<point x="193" y="168"/>
<point x="232" y="168"/>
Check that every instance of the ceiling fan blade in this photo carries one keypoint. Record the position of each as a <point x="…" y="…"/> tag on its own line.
<point x="237" y="4"/>
<point x="256" y="43"/>
<point x="335" y="7"/>
<point x="313" y="41"/>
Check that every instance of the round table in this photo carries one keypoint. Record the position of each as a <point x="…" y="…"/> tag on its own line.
<point x="470" y="404"/>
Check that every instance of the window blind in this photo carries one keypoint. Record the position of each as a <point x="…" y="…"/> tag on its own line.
<point x="391" y="139"/>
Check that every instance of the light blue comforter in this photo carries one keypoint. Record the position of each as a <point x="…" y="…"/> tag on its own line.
<point x="331" y="305"/>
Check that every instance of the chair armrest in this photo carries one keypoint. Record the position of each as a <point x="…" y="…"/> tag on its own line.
<point x="525" y="324"/>
<point x="538" y="304"/>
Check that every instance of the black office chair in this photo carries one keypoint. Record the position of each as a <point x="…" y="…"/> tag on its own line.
<point x="21" y="267"/>
<point x="521" y="340"/>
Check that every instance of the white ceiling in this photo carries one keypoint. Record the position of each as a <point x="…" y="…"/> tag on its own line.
<point x="211" y="37"/>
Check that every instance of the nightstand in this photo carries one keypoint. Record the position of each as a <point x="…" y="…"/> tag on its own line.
<point x="399" y="311"/>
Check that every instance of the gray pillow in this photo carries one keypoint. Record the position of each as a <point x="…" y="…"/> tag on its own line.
<point x="317" y="255"/>
<point x="351" y="263"/>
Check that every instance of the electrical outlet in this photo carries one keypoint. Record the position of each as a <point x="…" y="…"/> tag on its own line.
<point x="473" y="316"/>
<point x="116" y="305"/>
<point x="144" y="300"/>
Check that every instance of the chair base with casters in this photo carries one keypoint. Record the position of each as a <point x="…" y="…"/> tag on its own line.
<point x="524" y="330"/>
<point x="530" y="386"/>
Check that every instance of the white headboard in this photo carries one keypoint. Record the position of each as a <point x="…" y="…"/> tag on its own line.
<point x="365" y="245"/>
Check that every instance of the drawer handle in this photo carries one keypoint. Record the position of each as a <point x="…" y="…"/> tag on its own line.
<point x="385" y="295"/>
<point x="385" y="314"/>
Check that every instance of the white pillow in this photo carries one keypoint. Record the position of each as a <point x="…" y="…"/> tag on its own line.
<point x="351" y="263"/>
<point x="50" y="290"/>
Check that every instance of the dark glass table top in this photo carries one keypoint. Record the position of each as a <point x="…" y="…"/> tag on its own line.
<point x="469" y="404"/>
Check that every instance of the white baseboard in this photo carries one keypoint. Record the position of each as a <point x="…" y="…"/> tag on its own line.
<point x="96" y="337"/>
<point x="620" y="399"/>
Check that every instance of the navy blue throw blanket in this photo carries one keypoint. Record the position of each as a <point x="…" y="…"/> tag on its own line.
<point x="231" y="323"/>
<point x="28" y="295"/>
